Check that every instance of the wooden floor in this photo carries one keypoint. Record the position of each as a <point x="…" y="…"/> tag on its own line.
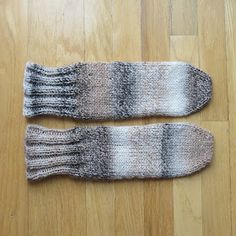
<point x="56" y="33"/>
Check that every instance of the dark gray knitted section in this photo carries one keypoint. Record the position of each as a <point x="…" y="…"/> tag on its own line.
<point x="123" y="80"/>
<point x="201" y="88"/>
<point x="115" y="90"/>
<point x="93" y="166"/>
<point x="47" y="93"/>
<point x="167" y="149"/>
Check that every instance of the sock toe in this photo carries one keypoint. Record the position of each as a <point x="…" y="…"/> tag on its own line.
<point x="202" y="88"/>
<point x="190" y="149"/>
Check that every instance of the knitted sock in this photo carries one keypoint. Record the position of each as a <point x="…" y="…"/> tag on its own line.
<point x="149" y="151"/>
<point x="115" y="90"/>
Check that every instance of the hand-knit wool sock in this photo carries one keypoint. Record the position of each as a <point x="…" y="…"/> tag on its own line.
<point x="149" y="151"/>
<point x="115" y="90"/>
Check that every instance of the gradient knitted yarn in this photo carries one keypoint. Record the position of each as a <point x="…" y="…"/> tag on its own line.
<point x="163" y="150"/>
<point x="115" y="90"/>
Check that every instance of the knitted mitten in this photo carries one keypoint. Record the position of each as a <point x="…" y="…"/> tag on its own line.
<point x="115" y="90"/>
<point x="149" y="151"/>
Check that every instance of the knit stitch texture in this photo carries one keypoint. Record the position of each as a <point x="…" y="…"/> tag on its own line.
<point x="115" y="90"/>
<point x="164" y="150"/>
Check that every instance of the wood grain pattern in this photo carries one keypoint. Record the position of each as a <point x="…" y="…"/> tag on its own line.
<point x="216" y="182"/>
<point x="187" y="191"/>
<point x="184" y="17"/>
<point x="230" y="28"/>
<point x="212" y="51"/>
<point x="56" y="33"/>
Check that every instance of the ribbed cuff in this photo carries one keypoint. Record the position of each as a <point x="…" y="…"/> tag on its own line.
<point x="52" y="152"/>
<point x="50" y="90"/>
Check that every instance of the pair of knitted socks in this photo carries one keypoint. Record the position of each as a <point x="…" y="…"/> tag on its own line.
<point x="117" y="90"/>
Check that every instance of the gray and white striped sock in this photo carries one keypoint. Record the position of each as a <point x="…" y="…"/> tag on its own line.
<point x="164" y="150"/>
<point x="115" y="90"/>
